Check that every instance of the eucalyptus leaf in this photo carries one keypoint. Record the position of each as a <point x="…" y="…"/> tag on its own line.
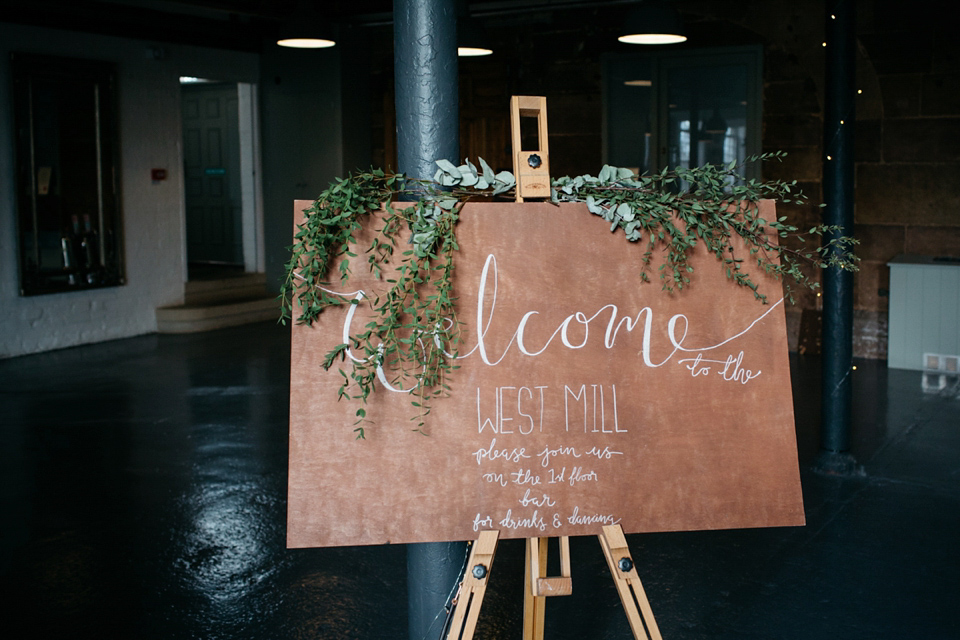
<point x="488" y="173"/>
<point x="607" y="174"/>
<point x="592" y="206"/>
<point x="449" y="180"/>
<point x="504" y="182"/>
<point x="448" y="168"/>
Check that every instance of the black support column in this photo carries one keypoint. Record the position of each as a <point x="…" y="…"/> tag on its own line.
<point x="838" y="192"/>
<point x="427" y="87"/>
<point x="428" y="128"/>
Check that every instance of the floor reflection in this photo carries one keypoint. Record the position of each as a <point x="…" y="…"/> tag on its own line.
<point x="143" y="492"/>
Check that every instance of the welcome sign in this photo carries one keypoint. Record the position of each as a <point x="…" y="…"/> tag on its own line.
<point x="584" y="397"/>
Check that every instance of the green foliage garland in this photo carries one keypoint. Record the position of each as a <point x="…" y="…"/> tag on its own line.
<point x="414" y="333"/>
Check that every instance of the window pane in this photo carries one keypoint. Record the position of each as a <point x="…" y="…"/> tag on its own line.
<point x="706" y="114"/>
<point x="629" y="117"/>
<point x="683" y="108"/>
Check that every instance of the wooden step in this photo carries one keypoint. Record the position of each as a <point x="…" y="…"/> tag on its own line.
<point x="247" y="285"/>
<point x="193" y="318"/>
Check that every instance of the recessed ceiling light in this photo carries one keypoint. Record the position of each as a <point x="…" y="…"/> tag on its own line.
<point x="306" y="43"/>
<point x="653" y="22"/>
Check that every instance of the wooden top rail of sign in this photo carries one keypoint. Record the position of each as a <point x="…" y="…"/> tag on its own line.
<point x="584" y="398"/>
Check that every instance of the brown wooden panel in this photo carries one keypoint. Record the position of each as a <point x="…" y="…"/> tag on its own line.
<point x="584" y="398"/>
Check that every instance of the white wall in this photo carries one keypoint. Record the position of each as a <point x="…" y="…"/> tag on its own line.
<point x="302" y="139"/>
<point x="152" y="214"/>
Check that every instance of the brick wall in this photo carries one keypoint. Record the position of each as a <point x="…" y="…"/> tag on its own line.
<point x="907" y="124"/>
<point x="908" y="150"/>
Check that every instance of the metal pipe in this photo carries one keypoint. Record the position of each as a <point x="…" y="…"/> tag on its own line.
<point x="838" y="191"/>
<point x="428" y="129"/>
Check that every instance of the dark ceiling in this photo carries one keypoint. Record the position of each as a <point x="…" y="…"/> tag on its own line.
<point x="243" y="25"/>
<point x="231" y="24"/>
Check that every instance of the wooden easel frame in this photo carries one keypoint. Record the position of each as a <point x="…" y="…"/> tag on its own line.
<point x="532" y="172"/>
<point x="632" y="595"/>
<point x="538" y="586"/>
<point x="474" y="585"/>
<point x="530" y="168"/>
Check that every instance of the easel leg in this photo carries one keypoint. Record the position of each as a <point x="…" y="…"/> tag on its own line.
<point x="631" y="591"/>
<point x="464" y="621"/>
<point x="538" y="586"/>
<point x="534" y="606"/>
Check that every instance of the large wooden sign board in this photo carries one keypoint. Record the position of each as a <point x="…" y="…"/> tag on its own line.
<point x="584" y="398"/>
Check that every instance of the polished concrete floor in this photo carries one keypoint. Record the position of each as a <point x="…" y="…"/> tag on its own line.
<point x="142" y="485"/>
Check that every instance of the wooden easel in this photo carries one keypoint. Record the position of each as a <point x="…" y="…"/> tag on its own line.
<point x="538" y="586"/>
<point x="532" y="171"/>
<point x="530" y="168"/>
<point x="474" y="585"/>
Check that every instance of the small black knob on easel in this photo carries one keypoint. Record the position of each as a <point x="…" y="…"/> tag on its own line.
<point x="479" y="572"/>
<point x="625" y="564"/>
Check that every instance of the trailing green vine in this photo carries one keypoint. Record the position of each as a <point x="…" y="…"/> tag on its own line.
<point x="411" y="341"/>
<point x="412" y="338"/>
<point x="677" y="209"/>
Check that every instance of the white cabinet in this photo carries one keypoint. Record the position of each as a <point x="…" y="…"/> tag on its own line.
<point x="924" y="312"/>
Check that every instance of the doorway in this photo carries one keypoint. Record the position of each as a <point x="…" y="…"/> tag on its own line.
<point x="222" y="197"/>
<point x="683" y="109"/>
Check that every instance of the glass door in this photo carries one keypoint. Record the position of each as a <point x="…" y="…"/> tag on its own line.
<point x="629" y="119"/>
<point x="709" y="110"/>
<point x="683" y="109"/>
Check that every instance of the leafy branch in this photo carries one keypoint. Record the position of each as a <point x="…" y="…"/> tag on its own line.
<point x="410" y="342"/>
<point x="677" y="209"/>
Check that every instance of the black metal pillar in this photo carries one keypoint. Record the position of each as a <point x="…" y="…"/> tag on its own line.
<point x="838" y="192"/>
<point x="428" y="129"/>
<point x="427" y="88"/>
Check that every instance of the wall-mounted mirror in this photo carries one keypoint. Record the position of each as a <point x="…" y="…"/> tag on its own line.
<point x="67" y="174"/>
